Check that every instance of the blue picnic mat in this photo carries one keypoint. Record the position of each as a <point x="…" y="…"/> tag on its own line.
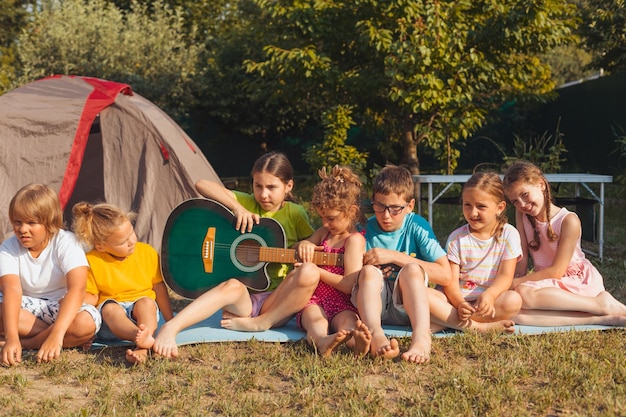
<point x="209" y="331"/>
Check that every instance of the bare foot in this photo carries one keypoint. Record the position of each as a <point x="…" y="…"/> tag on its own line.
<point x="136" y="356"/>
<point x="381" y="346"/>
<point x="362" y="339"/>
<point x="328" y="344"/>
<point x="609" y="320"/>
<point x="165" y="343"/>
<point x="419" y="351"/>
<point x="243" y="324"/>
<point x="610" y="305"/>
<point x="143" y="339"/>
<point x="503" y="326"/>
<point x="88" y="344"/>
<point x="228" y="315"/>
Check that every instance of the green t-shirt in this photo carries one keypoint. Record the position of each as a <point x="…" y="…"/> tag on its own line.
<point x="294" y="220"/>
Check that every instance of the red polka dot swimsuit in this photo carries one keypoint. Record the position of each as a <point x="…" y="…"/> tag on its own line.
<point x="331" y="300"/>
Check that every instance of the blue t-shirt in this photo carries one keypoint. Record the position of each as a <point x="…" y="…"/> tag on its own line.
<point x="415" y="238"/>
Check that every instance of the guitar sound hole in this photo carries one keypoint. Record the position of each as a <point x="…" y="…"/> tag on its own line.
<point x="247" y="252"/>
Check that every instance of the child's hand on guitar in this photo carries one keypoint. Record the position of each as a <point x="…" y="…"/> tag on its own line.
<point x="305" y="250"/>
<point x="245" y="220"/>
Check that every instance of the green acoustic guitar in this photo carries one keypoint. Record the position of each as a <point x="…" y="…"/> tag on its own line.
<point x="201" y="249"/>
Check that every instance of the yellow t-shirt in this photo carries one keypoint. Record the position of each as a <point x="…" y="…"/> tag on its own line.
<point x="127" y="280"/>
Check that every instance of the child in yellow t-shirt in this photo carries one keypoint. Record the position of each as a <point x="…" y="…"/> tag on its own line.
<point x="124" y="279"/>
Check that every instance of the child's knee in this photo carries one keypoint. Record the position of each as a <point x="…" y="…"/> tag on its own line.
<point x="306" y="275"/>
<point x="83" y="326"/>
<point x="233" y="286"/>
<point x="412" y="272"/>
<point x="510" y="302"/>
<point x="370" y="274"/>
<point x="145" y="303"/>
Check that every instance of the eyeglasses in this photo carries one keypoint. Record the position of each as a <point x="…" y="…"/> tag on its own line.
<point x="393" y="210"/>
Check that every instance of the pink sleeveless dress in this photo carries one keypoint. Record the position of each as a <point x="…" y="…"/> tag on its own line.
<point x="581" y="277"/>
<point x="331" y="300"/>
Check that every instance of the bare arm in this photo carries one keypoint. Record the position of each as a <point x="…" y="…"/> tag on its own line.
<point x="68" y="309"/>
<point x="502" y="282"/>
<point x="11" y="305"/>
<point x="352" y="265"/>
<point x="452" y="291"/>
<point x="91" y="299"/>
<point x="438" y="271"/>
<point x="570" y="233"/>
<point x="163" y="300"/>
<point x="221" y="194"/>
<point x="522" y="266"/>
<point x="465" y="310"/>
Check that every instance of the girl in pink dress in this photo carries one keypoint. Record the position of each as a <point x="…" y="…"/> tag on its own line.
<point x="329" y="318"/>
<point x="563" y="288"/>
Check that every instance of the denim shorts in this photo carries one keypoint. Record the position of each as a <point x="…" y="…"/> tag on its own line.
<point x="105" y="333"/>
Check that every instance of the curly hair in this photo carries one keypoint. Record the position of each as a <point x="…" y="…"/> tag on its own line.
<point x="339" y="190"/>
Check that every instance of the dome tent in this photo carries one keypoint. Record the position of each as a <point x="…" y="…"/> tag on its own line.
<point x="95" y="140"/>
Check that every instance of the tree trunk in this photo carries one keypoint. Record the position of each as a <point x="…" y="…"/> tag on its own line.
<point x="409" y="149"/>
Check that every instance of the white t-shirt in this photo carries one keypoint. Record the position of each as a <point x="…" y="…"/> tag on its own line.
<point x="479" y="260"/>
<point x="44" y="276"/>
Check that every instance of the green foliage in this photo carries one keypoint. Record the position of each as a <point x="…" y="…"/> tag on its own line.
<point x="146" y="50"/>
<point x="545" y="151"/>
<point x="569" y="63"/>
<point x="426" y="72"/>
<point x="333" y="150"/>
<point x="604" y="33"/>
<point x="13" y="17"/>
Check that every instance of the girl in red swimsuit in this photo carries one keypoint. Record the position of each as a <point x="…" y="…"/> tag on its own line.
<point x="329" y="318"/>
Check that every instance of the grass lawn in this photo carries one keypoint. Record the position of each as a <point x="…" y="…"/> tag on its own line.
<point x="565" y="374"/>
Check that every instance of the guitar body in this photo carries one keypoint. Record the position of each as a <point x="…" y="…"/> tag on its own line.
<point x="201" y="248"/>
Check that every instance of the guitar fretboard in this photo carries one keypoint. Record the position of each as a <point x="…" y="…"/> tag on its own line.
<point x="288" y="256"/>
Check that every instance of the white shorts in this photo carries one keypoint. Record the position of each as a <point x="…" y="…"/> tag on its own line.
<point x="48" y="310"/>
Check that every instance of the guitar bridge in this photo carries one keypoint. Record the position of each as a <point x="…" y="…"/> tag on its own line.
<point x="208" y="250"/>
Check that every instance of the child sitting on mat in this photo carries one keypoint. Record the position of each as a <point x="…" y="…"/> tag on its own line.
<point x="125" y="280"/>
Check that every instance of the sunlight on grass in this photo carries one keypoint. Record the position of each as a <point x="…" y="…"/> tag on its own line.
<point x="570" y="373"/>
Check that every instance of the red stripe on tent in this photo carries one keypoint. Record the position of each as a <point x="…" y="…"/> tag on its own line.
<point x="103" y="95"/>
<point x="164" y="152"/>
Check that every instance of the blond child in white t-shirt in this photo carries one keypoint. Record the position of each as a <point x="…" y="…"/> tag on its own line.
<point x="483" y="254"/>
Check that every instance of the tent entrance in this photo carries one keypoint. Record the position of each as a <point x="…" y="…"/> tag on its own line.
<point x="90" y="183"/>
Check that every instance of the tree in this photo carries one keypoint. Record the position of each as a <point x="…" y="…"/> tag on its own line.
<point x="13" y="17"/>
<point x="427" y="73"/>
<point x="604" y="33"/>
<point x="147" y="50"/>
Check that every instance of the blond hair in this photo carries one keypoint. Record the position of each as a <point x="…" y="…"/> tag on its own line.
<point x="338" y="190"/>
<point x="40" y="203"/>
<point x="529" y="173"/>
<point x="95" y="223"/>
<point x="490" y="183"/>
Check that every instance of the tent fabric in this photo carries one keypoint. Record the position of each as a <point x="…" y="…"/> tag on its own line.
<point x="97" y="141"/>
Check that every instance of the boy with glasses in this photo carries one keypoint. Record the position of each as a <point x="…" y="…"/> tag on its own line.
<point x="402" y="255"/>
